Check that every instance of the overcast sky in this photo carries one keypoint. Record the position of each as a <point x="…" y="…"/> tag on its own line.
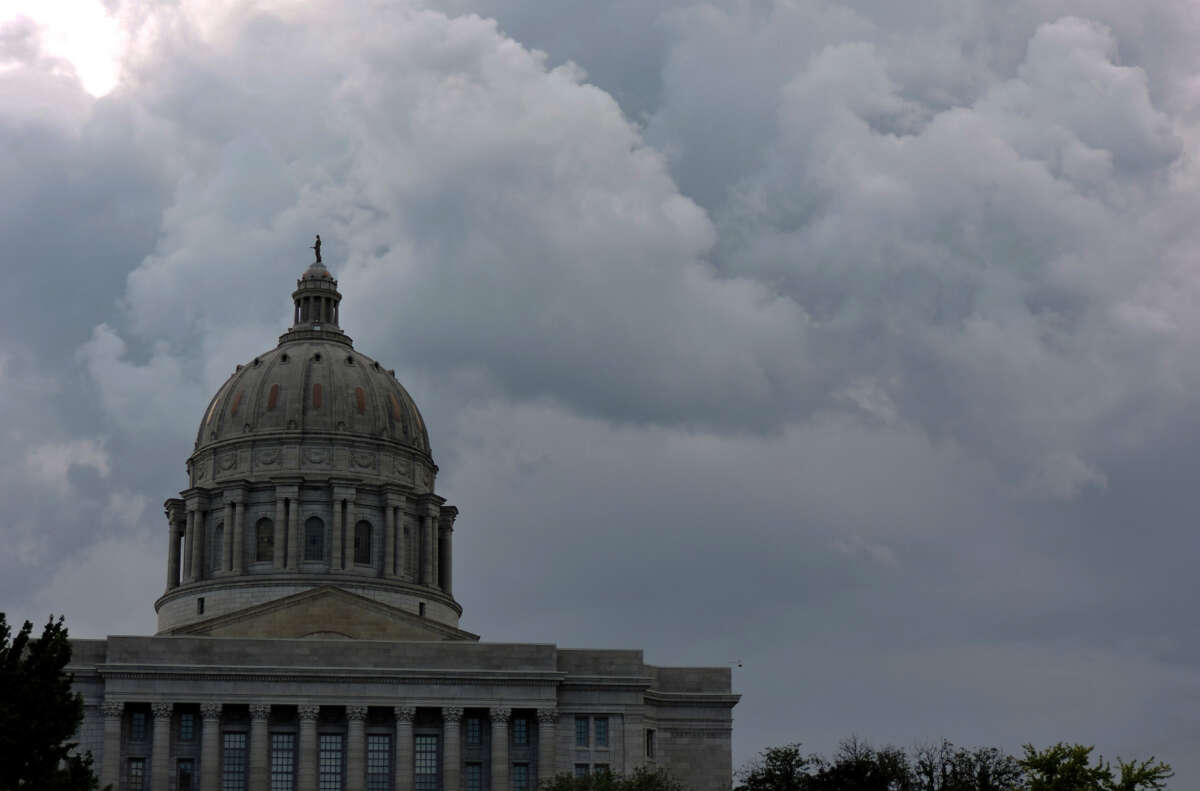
<point x="855" y="342"/>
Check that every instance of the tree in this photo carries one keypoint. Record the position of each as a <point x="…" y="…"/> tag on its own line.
<point x="39" y="713"/>
<point x="1068" y="767"/>
<point x="641" y="779"/>
<point x="857" y="766"/>
<point x="944" y="767"/>
<point x="777" y="769"/>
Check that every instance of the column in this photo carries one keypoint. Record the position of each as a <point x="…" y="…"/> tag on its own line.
<point x="173" y="556"/>
<point x="279" y="560"/>
<point x="451" y="752"/>
<point x="260" y="746"/>
<point x="401" y="545"/>
<point x="500" y="717"/>
<point x="389" y="541"/>
<point x="189" y="530"/>
<point x="404" y="748"/>
<point x="196" y="519"/>
<point x="160" y="755"/>
<point x="434" y="563"/>
<point x="307" y="754"/>
<point x="335" y="554"/>
<point x="110" y="769"/>
<point x="449" y="514"/>
<point x="356" y="744"/>
<point x="210" y="746"/>
<point x="239" y="537"/>
<point x="547" y="744"/>
<point x="295" y="543"/>
<point x="227" y="536"/>
<point x="426" y="549"/>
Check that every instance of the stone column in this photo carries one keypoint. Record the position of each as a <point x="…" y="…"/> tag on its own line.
<point x="173" y="556"/>
<point x="279" y="560"/>
<point x="451" y="749"/>
<point x="426" y="548"/>
<point x="445" y="573"/>
<point x="500" y="717"/>
<point x="160" y="755"/>
<point x="189" y="531"/>
<point x="307" y="754"/>
<point x="210" y="746"/>
<point x="356" y="753"/>
<point x="239" y="537"/>
<point x="389" y="541"/>
<point x="228" y="536"/>
<point x="110" y="768"/>
<point x="295" y="542"/>
<point x="547" y="744"/>
<point x="404" y="748"/>
<point x="434" y="562"/>
<point x="197" y="530"/>
<point x="260" y="746"/>
<point x="335" y="553"/>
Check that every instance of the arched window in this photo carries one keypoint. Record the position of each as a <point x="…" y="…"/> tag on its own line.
<point x="314" y="539"/>
<point x="218" y="547"/>
<point x="264" y="539"/>
<point x="362" y="543"/>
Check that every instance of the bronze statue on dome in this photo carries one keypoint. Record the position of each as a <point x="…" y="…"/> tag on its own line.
<point x="317" y="248"/>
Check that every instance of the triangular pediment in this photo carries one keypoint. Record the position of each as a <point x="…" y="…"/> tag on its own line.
<point x="325" y="612"/>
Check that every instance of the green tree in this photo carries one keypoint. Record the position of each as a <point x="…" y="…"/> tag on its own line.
<point x="777" y="769"/>
<point x="641" y="779"/>
<point x="944" y="767"/>
<point x="1068" y="767"/>
<point x="39" y="713"/>
<point x="857" y="766"/>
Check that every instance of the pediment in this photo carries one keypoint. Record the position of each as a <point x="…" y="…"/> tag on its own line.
<point x="326" y="612"/>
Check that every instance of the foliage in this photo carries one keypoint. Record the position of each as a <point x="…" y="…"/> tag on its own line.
<point x="944" y="767"/>
<point x="641" y="779"/>
<point x="1068" y="767"/>
<point x="39" y="713"/>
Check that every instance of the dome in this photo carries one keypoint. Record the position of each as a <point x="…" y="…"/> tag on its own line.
<point x="310" y="506"/>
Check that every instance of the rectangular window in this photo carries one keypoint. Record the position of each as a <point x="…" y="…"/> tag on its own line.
<point x="601" y="726"/>
<point x="425" y="763"/>
<point x="200" y="605"/>
<point x="137" y="774"/>
<point x="649" y="742"/>
<point x="520" y="731"/>
<point x="137" y="726"/>
<point x="581" y="731"/>
<point x="474" y="777"/>
<point x="233" y="763"/>
<point x="329" y="762"/>
<point x="474" y="731"/>
<point x="283" y="762"/>
<point x="520" y="777"/>
<point x="581" y="770"/>
<point x="379" y="762"/>
<point x="184" y="774"/>
<point x="187" y="726"/>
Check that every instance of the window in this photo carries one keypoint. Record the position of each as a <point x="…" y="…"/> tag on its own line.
<point x="137" y="726"/>
<point x="362" y="543"/>
<point x="283" y="762"/>
<point x="601" y="726"/>
<point x="329" y="762"/>
<point x="425" y="766"/>
<point x="581" y="770"/>
<point x="520" y="777"/>
<point x="649" y="742"/>
<point x="187" y="726"/>
<point x="185" y="774"/>
<point x="314" y="539"/>
<point x="264" y="539"/>
<point x="199" y="605"/>
<point x="137" y="774"/>
<point x="218" y="547"/>
<point x="379" y="762"/>
<point x="474" y="731"/>
<point x="581" y="731"/>
<point x="233" y="763"/>
<point x="520" y="731"/>
<point x="421" y="609"/>
<point x="474" y="777"/>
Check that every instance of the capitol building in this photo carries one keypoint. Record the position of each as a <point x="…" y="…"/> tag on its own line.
<point x="308" y="635"/>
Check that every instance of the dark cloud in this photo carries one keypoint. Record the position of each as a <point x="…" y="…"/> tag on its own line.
<point x="849" y="341"/>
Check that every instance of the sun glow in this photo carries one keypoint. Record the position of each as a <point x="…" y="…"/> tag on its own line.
<point x="81" y="32"/>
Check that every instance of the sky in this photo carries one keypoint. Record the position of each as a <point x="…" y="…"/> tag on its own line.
<point x="847" y="344"/>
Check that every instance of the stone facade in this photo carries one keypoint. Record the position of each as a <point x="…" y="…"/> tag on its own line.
<point x="308" y="635"/>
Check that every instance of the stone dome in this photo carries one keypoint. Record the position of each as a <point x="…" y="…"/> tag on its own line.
<point x="311" y="492"/>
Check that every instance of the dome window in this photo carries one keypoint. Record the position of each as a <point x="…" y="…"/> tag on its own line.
<point x="283" y="358"/>
<point x="317" y="357"/>
<point x="264" y="540"/>
<point x="273" y="397"/>
<point x="314" y="539"/>
<point x="395" y="406"/>
<point x="349" y="359"/>
<point x="362" y="543"/>
<point x="317" y="396"/>
<point x="237" y="401"/>
<point x="360" y="400"/>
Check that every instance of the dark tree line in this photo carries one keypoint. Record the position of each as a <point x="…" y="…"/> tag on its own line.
<point x="857" y="766"/>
